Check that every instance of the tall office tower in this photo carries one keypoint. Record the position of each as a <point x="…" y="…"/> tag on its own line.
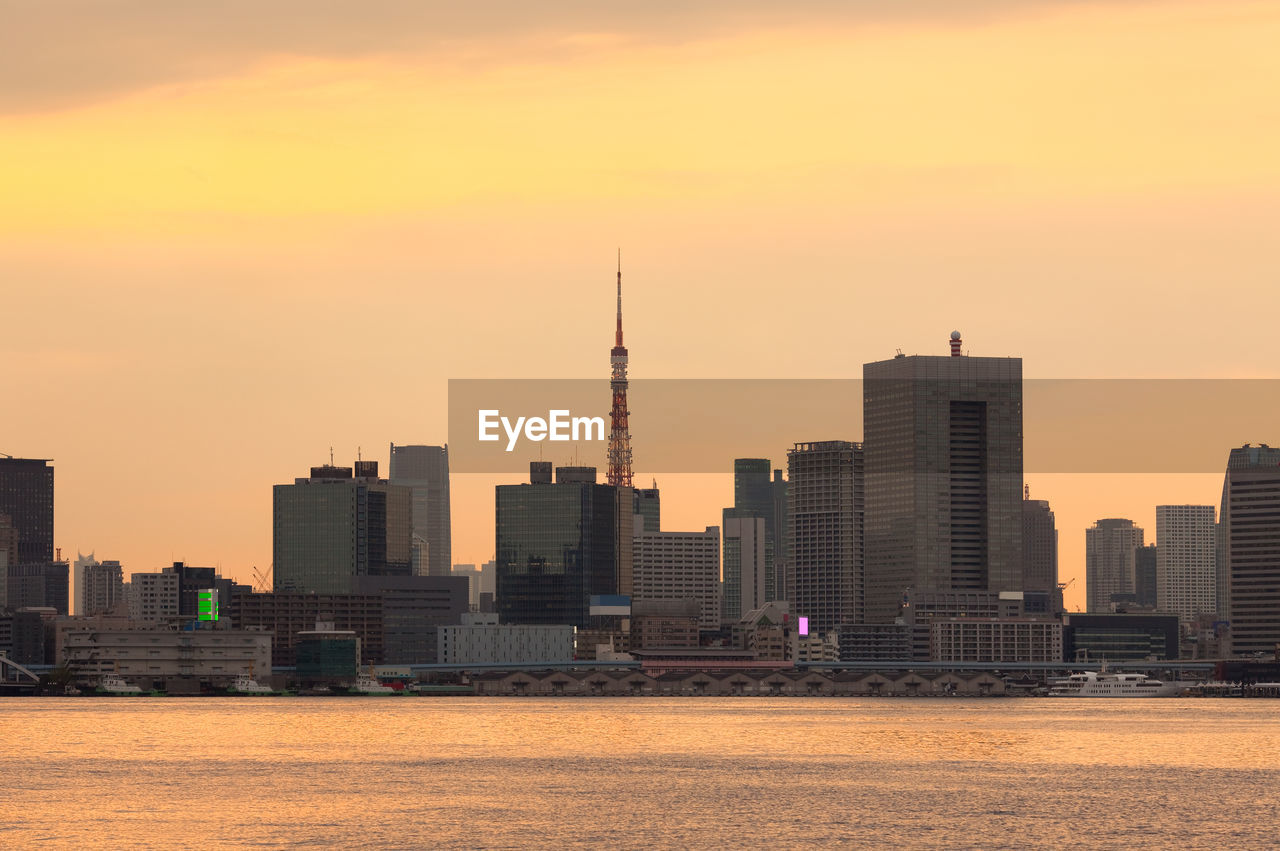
<point x="78" y="568"/>
<point x="754" y="496"/>
<point x="336" y="525"/>
<point x="679" y="566"/>
<point x="781" y="541"/>
<point x="1251" y="544"/>
<point x="620" y="426"/>
<point x="825" y="513"/>
<point x="1039" y="557"/>
<point x="745" y="567"/>
<point x="648" y="504"/>
<point x="103" y="587"/>
<point x="45" y="584"/>
<point x="425" y="471"/>
<point x="8" y="555"/>
<point x="557" y="546"/>
<point x="943" y="439"/>
<point x="1186" y="565"/>
<point x="26" y="495"/>
<point x="1109" y="561"/>
<point x="1145" y="583"/>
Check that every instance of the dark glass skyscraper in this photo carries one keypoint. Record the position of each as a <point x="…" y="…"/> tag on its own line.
<point x="26" y="495"/>
<point x="557" y="545"/>
<point x="943" y="439"/>
<point x="334" y="526"/>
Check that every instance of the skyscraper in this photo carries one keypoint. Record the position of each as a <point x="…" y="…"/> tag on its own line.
<point x="943" y="438"/>
<point x="557" y="545"/>
<point x="1251" y="546"/>
<point x="1186" y="570"/>
<point x="26" y="495"/>
<point x="745" y="568"/>
<point x="825" y="513"/>
<point x="1109" y="561"/>
<point x="334" y="526"/>
<point x="1039" y="556"/>
<point x="425" y="471"/>
<point x="1145" y="579"/>
<point x="648" y="504"/>
<point x="754" y="496"/>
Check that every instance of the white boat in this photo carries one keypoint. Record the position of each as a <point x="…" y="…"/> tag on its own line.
<point x="367" y="684"/>
<point x="246" y="684"/>
<point x="114" y="684"/>
<point x="1109" y="684"/>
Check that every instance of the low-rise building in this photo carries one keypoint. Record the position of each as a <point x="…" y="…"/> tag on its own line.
<point x="157" y="655"/>
<point x="995" y="640"/>
<point x="481" y="640"/>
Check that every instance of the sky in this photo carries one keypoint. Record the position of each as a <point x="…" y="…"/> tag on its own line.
<point x="234" y="237"/>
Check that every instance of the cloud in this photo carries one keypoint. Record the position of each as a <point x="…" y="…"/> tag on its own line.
<point x="64" y="55"/>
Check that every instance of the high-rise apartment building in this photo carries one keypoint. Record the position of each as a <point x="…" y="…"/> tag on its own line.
<point x="745" y="568"/>
<point x="679" y="566"/>
<point x="26" y="496"/>
<point x="1039" y="557"/>
<point x="425" y="471"/>
<point x="825" y="515"/>
<point x="337" y="525"/>
<point x="1109" y="561"/>
<point x="943" y="438"/>
<point x="103" y="587"/>
<point x="1251" y="547"/>
<point x="1186" y="568"/>
<point x="557" y="545"/>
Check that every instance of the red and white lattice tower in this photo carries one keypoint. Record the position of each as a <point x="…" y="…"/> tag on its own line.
<point x="619" y="431"/>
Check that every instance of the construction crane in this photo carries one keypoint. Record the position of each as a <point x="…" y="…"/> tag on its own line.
<point x="262" y="579"/>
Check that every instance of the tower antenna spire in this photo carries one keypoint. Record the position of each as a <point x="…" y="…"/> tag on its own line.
<point x="619" y="458"/>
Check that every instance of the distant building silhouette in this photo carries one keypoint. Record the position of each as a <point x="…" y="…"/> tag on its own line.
<point x="745" y="574"/>
<point x="1039" y="557"/>
<point x="1109" y="561"/>
<point x="1145" y="579"/>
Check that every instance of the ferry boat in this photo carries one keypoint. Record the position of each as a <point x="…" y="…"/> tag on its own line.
<point x="1107" y="684"/>
<point x="246" y="684"/>
<point x="115" y="685"/>
<point x="366" y="684"/>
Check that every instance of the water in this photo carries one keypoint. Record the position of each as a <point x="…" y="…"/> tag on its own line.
<point x="637" y="772"/>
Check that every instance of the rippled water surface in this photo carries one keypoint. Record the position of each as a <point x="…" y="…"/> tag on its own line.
<point x="637" y="772"/>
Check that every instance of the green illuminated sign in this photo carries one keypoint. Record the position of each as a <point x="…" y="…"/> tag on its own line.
<point x="207" y="604"/>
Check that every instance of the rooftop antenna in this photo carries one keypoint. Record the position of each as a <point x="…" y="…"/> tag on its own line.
<point x="330" y="456"/>
<point x="955" y="344"/>
<point x="359" y="457"/>
<point x="1026" y="491"/>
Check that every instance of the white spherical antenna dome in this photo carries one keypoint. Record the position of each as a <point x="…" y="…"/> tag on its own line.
<point x="955" y="335"/>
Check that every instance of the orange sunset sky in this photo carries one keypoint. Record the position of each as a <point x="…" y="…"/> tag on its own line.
<point x="234" y="236"/>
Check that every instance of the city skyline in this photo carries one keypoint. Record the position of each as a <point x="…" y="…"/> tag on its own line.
<point x="174" y="260"/>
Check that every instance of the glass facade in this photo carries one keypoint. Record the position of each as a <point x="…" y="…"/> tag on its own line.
<point x="943" y="439"/>
<point x="26" y="496"/>
<point x="556" y="545"/>
<point x="825" y="515"/>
